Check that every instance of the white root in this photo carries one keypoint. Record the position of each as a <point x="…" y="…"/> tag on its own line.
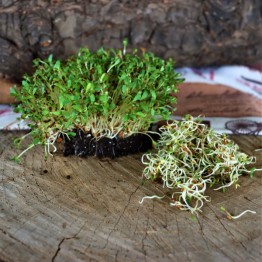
<point x="240" y="215"/>
<point x="150" y="197"/>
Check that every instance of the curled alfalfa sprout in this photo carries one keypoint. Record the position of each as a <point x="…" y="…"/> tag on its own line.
<point x="192" y="157"/>
<point x="229" y="216"/>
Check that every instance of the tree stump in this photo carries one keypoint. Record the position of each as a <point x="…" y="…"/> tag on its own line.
<point x="194" y="33"/>
<point x="86" y="209"/>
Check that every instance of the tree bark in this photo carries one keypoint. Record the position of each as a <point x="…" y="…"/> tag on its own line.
<point x="193" y="32"/>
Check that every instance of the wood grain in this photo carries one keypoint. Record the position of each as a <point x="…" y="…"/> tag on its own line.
<point x="74" y="209"/>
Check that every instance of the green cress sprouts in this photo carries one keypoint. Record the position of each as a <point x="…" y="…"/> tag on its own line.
<point x="107" y="93"/>
<point x="191" y="157"/>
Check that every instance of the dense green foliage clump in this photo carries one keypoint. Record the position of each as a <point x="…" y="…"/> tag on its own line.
<point x="106" y="94"/>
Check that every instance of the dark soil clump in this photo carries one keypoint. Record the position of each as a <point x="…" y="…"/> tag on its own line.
<point x="83" y="144"/>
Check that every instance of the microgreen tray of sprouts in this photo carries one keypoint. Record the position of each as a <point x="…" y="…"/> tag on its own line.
<point x="106" y="94"/>
<point x="191" y="157"/>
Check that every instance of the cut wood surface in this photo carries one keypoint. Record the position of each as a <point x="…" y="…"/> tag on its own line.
<point x="86" y="209"/>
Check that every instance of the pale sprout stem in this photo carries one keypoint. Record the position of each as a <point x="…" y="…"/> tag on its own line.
<point x="257" y="169"/>
<point x="65" y="134"/>
<point x="229" y="216"/>
<point x="240" y="215"/>
<point x="150" y="197"/>
<point x="110" y="126"/>
<point x="51" y="142"/>
<point x="24" y="136"/>
<point x="30" y="146"/>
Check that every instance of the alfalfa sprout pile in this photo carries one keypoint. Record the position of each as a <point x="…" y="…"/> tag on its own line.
<point x="191" y="157"/>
